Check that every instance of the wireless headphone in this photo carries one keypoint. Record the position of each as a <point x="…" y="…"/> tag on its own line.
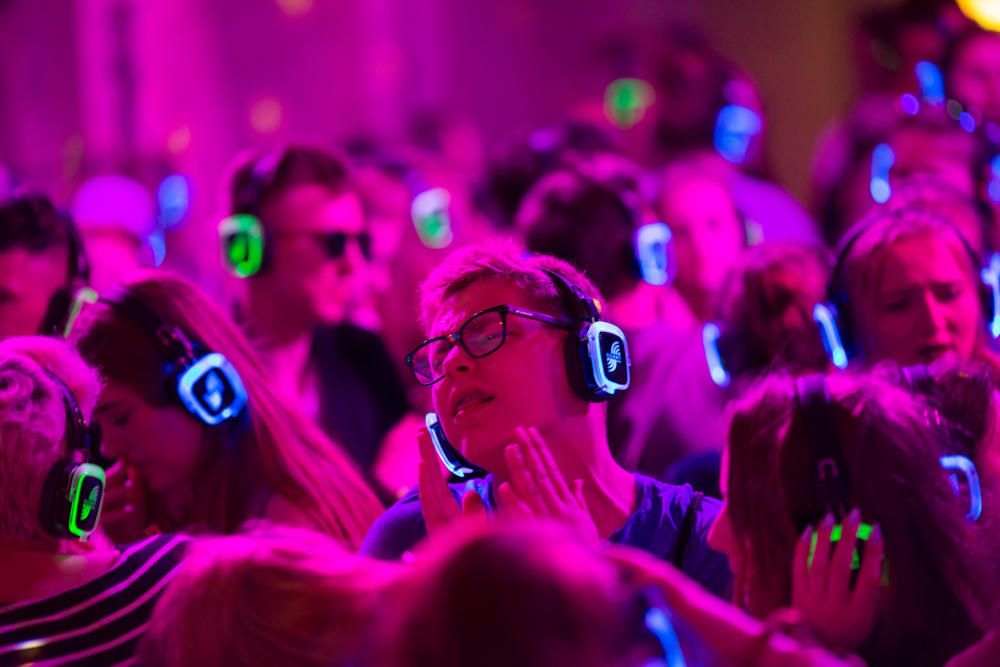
<point x="243" y="236"/>
<point x="205" y="382"/>
<point x="597" y="357"/>
<point x="835" y="320"/>
<point x="73" y="492"/>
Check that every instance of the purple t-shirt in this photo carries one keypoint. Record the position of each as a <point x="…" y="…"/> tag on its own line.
<point x="653" y="527"/>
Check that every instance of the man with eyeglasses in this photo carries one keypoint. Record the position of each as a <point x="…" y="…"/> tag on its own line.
<point x="499" y="363"/>
<point x="304" y="259"/>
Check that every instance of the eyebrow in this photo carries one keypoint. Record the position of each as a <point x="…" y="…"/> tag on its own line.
<point x="107" y="407"/>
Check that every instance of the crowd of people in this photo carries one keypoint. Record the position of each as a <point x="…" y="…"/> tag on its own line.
<point x="594" y="401"/>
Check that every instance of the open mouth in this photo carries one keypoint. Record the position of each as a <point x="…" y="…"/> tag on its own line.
<point x="472" y="401"/>
<point x="936" y="351"/>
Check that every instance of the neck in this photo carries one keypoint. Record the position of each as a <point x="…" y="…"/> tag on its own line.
<point x="580" y="447"/>
<point x="699" y="300"/>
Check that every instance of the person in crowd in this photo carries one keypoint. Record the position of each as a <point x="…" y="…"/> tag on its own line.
<point x="42" y="264"/>
<point x="63" y="600"/>
<point x="298" y="235"/>
<point x="593" y="216"/>
<point x="907" y="287"/>
<point x="503" y="363"/>
<point x="809" y="454"/>
<point x="277" y="595"/>
<point x="538" y="594"/>
<point x="204" y="439"/>
<point x="972" y="71"/>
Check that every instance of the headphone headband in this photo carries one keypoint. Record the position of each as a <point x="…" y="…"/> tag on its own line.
<point x="582" y="307"/>
<point x="816" y="413"/>
<point x="173" y="342"/>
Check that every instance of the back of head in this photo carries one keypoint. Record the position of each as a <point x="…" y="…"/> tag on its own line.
<point x="939" y="589"/>
<point x="506" y="595"/>
<point x="280" y="448"/>
<point x="766" y="310"/>
<point x="258" y="178"/>
<point x="587" y="220"/>
<point x="33" y="424"/>
<point x="273" y="596"/>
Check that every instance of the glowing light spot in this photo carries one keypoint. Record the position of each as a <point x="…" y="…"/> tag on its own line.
<point x="179" y="140"/>
<point x="627" y="100"/>
<point x="931" y="81"/>
<point x="266" y="115"/>
<point x="909" y="104"/>
<point x="174" y="199"/>
<point x="984" y="12"/>
<point x="296" y="7"/>
<point x="967" y="122"/>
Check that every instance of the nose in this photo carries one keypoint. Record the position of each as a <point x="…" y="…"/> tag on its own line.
<point x="932" y="315"/>
<point x="457" y="360"/>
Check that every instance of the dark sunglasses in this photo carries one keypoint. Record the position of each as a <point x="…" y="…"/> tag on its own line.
<point x="481" y="335"/>
<point x="335" y="243"/>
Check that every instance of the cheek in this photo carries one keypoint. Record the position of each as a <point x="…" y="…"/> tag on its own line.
<point x="721" y="537"/>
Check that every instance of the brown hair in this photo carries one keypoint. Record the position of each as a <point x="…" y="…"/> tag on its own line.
<point x="280" y="452"/>
<point x="940" y="587"/>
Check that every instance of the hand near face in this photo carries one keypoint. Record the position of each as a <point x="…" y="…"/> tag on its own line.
<point x="123" y="515"/>
<point x="436" y="501"/>
<point x="538" y="488"/>
<point x="822" y="592"/>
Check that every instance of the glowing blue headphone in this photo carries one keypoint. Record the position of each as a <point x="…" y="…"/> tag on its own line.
<point x="205" y="382"/>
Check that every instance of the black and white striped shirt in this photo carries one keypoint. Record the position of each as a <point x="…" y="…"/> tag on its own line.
<point x="98" y="623"/>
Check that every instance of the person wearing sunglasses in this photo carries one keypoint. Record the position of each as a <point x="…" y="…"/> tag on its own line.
<point x="510" y="396"/>
<point x="298" y="237"/>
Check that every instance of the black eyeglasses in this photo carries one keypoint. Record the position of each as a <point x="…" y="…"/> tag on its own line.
<point x="335" y="243"/>
<point x="481" y="335"/>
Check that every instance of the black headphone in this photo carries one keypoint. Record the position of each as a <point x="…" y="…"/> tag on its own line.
<point x="205" y="382"/>
<point x="835" y="319"/>
<point x="73" y="492"/>
<point x="244" y="238"/>
<point x="597" y="357"/>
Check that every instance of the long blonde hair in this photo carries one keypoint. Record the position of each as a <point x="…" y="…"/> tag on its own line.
<point x="280" y="451"/>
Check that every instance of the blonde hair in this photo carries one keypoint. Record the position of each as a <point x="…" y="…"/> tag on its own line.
<point x="33" y="424"/>
<point x="281" y="450"/>
<point x="275" y="596"/>
<point x="860" y="264"/>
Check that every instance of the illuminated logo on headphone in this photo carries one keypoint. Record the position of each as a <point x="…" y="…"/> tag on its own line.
<point x="90" y="502"/>
<point x="614" y="357"/>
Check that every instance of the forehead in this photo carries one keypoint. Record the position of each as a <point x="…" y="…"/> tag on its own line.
<point x="479" y="296"/>
<point x="18" y="266"/>
<point x="923" y="257"/>
<point x="314" y="207"/>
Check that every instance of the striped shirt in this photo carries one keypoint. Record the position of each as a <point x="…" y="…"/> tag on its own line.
<point x="98" y="623"/>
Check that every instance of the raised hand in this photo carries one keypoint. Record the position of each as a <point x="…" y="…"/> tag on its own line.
<point x="843" y="615"/>
<point x="436" y="500"/>
<point x="538" y="488"/>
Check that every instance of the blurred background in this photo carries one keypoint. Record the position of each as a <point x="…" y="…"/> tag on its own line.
<point x="152" y="88"/>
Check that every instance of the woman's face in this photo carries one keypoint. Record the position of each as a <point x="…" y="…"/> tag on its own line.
<point x="165" y="445"/>
<point x="723" y="539"/>
<point x="924" y="304"/>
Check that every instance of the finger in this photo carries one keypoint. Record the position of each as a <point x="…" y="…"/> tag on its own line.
<point x="819" y="571"/>
<point x="866" y="591"/>
<point x="800" y="570"/>
<point x="523" y="479"/>
<point x="472" y="504"/>
<point x="581" y="499"/>
<point x="839" y="584"/>
<point x="544" y="483"/>
<point x="547" y="464"/>
<point x="511" y="503"/>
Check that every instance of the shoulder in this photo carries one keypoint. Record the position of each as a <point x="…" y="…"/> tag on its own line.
<point x="398" y="529"/>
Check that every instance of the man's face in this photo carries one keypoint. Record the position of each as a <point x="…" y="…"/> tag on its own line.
<point x="523" y="383"/>
<point x="312" y="286"/>
<point x="27" y="282"/>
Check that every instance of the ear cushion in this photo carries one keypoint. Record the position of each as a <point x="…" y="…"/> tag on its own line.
<point x="578" y="366"/>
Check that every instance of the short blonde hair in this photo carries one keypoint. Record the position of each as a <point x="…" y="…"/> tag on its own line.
<point x="276" y="596"/>
<point x="502" y="259"/>
<point x="33" y="423"/>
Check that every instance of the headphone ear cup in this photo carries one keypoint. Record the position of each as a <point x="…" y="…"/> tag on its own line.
<point x="578" y="364"/>
<point x="57" y="312"/>
<point x="989" y="294"/>
<point x="244" y="245"/>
